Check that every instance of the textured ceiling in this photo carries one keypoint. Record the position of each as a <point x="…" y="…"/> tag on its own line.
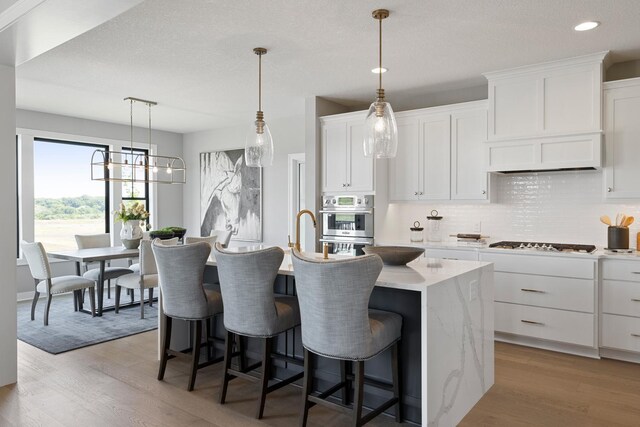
<point x="195" y="56"/>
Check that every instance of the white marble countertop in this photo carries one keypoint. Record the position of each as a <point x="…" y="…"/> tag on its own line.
<point x="415" y="276"/>
<point x="452" y="245"/>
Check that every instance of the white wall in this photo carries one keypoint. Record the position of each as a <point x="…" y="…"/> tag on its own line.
<point x="8" y="316"/>
<point x="288" y="137"/>
<point x="168" y="198"/>
<point x="559" y="207"/>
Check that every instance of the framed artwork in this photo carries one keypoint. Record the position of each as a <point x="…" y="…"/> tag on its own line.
<point x="230" y="195"/>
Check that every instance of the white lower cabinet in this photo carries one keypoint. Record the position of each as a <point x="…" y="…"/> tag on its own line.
<point x="456" y="254"/>
<point x="544" y="323"/>
<point x="545" y="301"/>
<point x="620" y="319"/>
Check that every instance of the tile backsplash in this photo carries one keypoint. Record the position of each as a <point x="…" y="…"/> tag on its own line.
<point x="561" y="207"/>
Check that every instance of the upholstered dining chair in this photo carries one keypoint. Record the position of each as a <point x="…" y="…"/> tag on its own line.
<point x="222" y="236"/>
<point x="181" y="271"/>
<point x="44" y="283"/>
<point x="211" y="240"/>
<point x="251" y="309"/>
<point x="88" y="241"/>
<point x="337" y="324"/>
<point x="167" y="242"/>
<point x="145" y="278"/>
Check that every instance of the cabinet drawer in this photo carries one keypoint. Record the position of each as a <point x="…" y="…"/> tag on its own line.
<point x="621" y="332"/>
<point x="545" y="323"/>
<point x="542" y="265"/>
<point x="621" y="298"/>
<point x="546" y="291"/>
<point x="621" y="270"/>
<point x="452" y="254"/>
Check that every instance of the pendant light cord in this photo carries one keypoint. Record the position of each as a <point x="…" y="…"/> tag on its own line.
<point x="380" y="53"/>
<point x="259" y="82"/>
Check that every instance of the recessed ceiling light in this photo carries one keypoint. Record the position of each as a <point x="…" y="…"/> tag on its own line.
<point x="379" y="70"/>
<point x="586" y="26"/>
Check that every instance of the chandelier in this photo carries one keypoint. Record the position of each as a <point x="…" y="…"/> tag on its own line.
<point x="136" y="165"/>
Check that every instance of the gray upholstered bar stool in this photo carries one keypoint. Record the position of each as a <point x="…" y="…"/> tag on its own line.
<point x="253" y="310"/>
<point x="337" y="323"/>
<point x="181" y="270"/>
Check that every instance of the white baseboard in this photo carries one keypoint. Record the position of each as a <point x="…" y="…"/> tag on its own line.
<point x="548" y="345"/>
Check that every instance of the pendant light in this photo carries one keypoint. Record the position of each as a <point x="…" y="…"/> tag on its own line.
<point x="258" y="149"/>
<point x="132" y="166"/>
<point x="380" y="129"/>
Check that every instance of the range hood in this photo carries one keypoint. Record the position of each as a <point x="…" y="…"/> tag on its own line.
<point x="575" y="152"/>
<point x="546" y="116"/>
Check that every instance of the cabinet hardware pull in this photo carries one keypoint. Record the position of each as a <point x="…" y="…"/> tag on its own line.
<point x="609" y="189"/>
<point x="532" y="290"/>
<point x="421" y="193"/>
<point x="415" y="193"/>
<point x="635" y="299"/>
<point x="344" y="185"/>
<point x="484" y="191"/>
<point x="635" y="272"/>
<point x="531" y="322"/>
<point x="635" y="335"/>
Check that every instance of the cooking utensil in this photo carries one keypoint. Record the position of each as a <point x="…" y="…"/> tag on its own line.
<point x="623" y="219"/>
<point x="605" y="220"/>
<point x="618" y="219"/>
<point x="628" y="221"/>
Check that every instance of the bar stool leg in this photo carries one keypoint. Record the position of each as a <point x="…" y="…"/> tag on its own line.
<point x="307" y="387"/>
<point x="397" y="380"/>
<point x="266" y="374"/>
<point x="228" y="347"/>
<point x="166" y="340"/>
<point x="197" y="340"/>
<point x="359" y="394"/>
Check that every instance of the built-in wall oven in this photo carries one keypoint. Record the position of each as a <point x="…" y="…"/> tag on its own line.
<point x="347" y="223"/>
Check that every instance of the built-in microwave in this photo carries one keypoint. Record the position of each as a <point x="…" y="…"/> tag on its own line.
<point x="347" y="216"/>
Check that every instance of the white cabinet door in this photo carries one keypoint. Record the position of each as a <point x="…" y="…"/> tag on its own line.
<point x="435" y="136"/>
<point x="622" y="131"/>
<point x="360" y="168"/>
<point x="468" y="167"/>
<point x="404" y="178"/>
<point x="334" y="157"/>
<point x="515" y="105"/>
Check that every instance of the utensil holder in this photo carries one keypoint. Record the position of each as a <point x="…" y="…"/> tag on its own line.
<point x="618" y="238"/>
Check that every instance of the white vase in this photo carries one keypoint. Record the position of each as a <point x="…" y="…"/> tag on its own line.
<point x="131" y="230"/>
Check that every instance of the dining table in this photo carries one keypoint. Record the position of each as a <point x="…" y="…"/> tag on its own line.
<point x="99" y="255"/>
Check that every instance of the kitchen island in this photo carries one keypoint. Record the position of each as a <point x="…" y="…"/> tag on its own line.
<point x="447" y="350"/>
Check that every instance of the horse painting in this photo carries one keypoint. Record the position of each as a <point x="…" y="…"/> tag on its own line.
<point x="230" y="195"/>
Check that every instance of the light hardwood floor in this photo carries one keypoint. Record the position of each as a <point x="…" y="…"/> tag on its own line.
<point x="113" y="384"/>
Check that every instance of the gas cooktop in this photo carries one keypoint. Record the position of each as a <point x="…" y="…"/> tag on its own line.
<point x="540" y="246"/>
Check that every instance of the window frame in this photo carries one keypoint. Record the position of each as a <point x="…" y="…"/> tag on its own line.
<point x="144" y="151"/>
<point x="107" y="189"/>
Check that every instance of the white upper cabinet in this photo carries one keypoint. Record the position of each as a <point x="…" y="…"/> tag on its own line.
<point x="404" y="169"/>
<point x="622" y="135"/>
<point x="546" y="116"/>
<point x="440" y="154"/>
<point x="469" y="178"/>
<point x="345" y="169"/>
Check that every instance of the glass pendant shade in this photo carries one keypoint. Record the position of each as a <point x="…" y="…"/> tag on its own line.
<point x="380" y="131"/>
<point x="258" y="148"/>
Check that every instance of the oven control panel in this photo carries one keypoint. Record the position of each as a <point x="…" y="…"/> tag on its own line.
<point x="347" y="202"/>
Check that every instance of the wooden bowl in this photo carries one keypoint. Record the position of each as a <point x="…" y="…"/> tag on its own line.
<point x="394" y="255"/>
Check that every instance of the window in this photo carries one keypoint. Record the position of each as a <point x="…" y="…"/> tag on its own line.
<point x="138" y="191"/>
<point x="66" y="201"/>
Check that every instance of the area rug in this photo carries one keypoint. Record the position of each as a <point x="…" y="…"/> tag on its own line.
<point x="70" y="330"/>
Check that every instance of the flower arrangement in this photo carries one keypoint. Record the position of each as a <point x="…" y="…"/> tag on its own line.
<point x="134" y="212"/>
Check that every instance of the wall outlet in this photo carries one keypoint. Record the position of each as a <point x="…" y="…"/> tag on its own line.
<point x="473" y="290"/>
<point x="477" y="227"/>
